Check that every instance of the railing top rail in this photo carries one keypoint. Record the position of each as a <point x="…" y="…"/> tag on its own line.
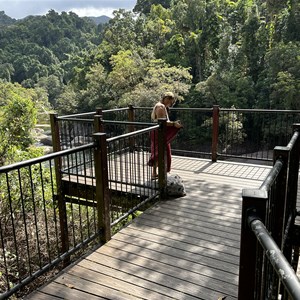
<point x="128" y="123"/>
<point x="77" y="115"/>
<point x="46" y="157"/>
<point x="75" y="119"/>
<point x="130" y="134"/>
<point x="180" y="109"/>
<point x="277" y="259"/>
<point x="227" y="109"/>
<point x="91" y="113"/>
<point x="115" y="109"/>
<point x="270" y="179"/>
<point x="275" y="111"/>
<point x="293" y="140"/>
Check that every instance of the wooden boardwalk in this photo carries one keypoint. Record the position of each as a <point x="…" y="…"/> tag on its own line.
<point x="184" y="248"/>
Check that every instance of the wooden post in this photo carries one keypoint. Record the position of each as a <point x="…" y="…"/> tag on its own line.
<point x="215" y="133"/>
<point x="162" y="159"/>
<point x="63" y="220"/>
<point x="99" y="111"/>
<point x="98" y="123"/>
<point x="293" y="170"/>
<point x="102" y="188"/>
<point x="278" y="197"/>
<point x="131" y="116"/>
<point x="254" y="204"/>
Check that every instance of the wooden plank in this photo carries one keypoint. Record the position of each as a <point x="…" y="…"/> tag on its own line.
<point x="180" y="216"/>
<point x="190" y="226"/>
<point x="63" y="291"/>
<point x="194" y="249"/>
<point x="114" y="282"/>
<point x="182" y="252"/>
<point x="154" y="271"/>
<point x="37" y="295"/>
<point x="202" y="211"/>
<point x="170" y="256"/>
<point x="184" y="248"/>
<point x="200" y="237"/>
<point x="91" y="288"/>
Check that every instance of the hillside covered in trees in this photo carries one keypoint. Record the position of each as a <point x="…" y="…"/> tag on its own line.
<point x="241" y="53"/>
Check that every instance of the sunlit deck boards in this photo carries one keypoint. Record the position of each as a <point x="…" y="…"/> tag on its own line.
<point x="185" y="248"/>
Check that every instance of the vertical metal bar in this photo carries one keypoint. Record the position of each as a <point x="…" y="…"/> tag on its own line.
<point x="43" y="199"/>
<point x="12" y="216"/>
<point x="34" y="205"/>
<point x="54" y="206"/>
<point x="70" y="206"/>
<point x="102" y="189"/>
<point x="215" y="133"/>
<point x="25" y="223"/>
<point x="4" y="260"/>
<point x="254" y="202"/>
<point x="85" y="192"/>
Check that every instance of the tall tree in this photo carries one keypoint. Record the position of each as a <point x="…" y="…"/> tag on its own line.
<point x="144" y="6"/>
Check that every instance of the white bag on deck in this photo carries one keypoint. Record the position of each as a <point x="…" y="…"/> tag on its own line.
<point x="175" y="186"/>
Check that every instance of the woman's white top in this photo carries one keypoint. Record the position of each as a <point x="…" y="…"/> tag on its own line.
<point x="153" y="114"/>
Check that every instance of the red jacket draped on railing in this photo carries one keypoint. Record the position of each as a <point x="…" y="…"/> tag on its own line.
<point x="171" y="134"/>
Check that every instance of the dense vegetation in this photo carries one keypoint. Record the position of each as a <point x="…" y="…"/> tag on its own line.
<point x="242" y="53"/>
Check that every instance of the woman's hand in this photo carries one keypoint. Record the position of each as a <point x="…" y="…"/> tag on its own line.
<point x="177" y="124"/>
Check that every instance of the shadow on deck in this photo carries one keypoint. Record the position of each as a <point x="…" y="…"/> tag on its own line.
<point x="184" y="248"/>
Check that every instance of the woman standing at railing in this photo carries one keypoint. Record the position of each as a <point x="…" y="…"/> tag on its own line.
<point x="161" y="111"/>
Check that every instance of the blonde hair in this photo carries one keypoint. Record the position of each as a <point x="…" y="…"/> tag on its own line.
<point x="168" y="95"/>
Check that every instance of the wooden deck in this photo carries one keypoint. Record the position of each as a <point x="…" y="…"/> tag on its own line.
<point x="184" y="248"/>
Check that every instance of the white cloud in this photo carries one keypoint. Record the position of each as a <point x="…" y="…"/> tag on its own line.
<point x="93" y="12"/>
<point x="21" y="8"/>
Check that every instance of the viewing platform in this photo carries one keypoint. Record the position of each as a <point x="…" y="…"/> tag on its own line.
<point x="88" y="222"/>
<point x="182" y="248"/>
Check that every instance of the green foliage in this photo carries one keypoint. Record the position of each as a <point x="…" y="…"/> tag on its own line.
<point x="146" y="80"/>
<point x="243" y="53"/>
<point x="18" y="116"/>
<point x="285" y="91"/>
<point x="231" y="131"/>
<point x="39" y="46"/>
<point x="279" y="82"/>
<point x="144" y="6"/>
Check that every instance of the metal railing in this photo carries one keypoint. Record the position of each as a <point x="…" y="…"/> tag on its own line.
<point x="268" y="217"/>
<point x="216" y="133"/>
<point x="38" y="229"/>
<point x="129" y="174"/>
<point x="55" y="208"/>
<point x="76" y="130"/>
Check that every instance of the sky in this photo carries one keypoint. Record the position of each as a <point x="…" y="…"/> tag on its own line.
<point x="19" y="9"/>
